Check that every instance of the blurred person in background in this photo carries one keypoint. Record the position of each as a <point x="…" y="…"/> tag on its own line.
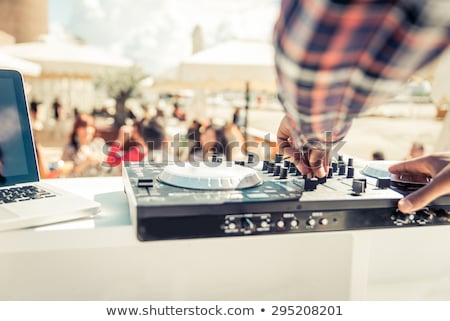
<point x="153" y="132"/>
<point x="416" y="150"/>
<point x="178" y="113"/>
<point x="211" y="142"/>
<point x="334" y="58"/>
<point x="129" y="146"/>
<point x="378" y="155"/>
<point x="83" y="154"/>
<point x="143" y="141"/>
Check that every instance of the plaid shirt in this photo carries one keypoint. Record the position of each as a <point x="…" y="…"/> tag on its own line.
<point x="335" y="57"/>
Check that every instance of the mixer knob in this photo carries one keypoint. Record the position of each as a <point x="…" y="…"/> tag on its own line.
<point x="292" y="168"/>
<point x="286" y="163"/>
<point x="281" y="225"/>
<point x="341" y="169"/>
<point x="283" y="172"/>
<point x="250" y="158"/>
<point x="265" y="164"/>
<point x="350" y="172"/>
<point x="350" y="162"/>
<point x="322" y="180"/>
<point x="270" y="167"/>
<point x="330" y="172"/>
<point x="311" y="222"/>
<point x="278" y="158"/>
<point x="323" y="221"/>
<point x="265" y="224"/>
<point x="334" y="166"/>
<point x="311" y="184"/>
<point x="294" y="223"/>
<point x="277" y="169"/>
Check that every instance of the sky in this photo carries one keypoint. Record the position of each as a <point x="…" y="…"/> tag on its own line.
<point x="157" y="34"/>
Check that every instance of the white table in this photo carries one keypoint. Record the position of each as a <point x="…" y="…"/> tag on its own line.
<point x="101" y="259"/>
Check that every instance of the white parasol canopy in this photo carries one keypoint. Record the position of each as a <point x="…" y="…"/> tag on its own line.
<point x="229" y="65"/>
<point x="27" y="68"/>
<point x="67" y="58"/>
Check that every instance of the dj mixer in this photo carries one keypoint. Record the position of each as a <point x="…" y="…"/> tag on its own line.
<point x="219" y="199"/>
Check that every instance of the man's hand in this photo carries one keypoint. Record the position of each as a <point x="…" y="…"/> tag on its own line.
<point x="436" y="166"/>
<point x="311" y="161"/>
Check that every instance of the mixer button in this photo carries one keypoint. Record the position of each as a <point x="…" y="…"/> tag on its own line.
<point x="358" y="186"/>
<point x="145" y="182"/>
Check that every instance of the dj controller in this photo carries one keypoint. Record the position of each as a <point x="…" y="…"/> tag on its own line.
<point x="217" y="199"/>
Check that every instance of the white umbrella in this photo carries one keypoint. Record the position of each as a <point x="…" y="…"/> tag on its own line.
<point x="67" y="58"/>
<point x="27" y="68"/>
<point x="229" y="65"/>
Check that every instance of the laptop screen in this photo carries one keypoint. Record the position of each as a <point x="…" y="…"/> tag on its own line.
<point x="17" y="155"/>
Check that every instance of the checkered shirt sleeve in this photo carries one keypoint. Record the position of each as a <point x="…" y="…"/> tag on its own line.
<point x="336" y="57"/>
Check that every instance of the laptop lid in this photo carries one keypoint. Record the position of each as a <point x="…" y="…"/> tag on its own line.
<point x="17" y="154"/>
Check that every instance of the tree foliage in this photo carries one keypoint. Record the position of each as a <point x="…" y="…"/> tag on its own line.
<point x="121" y="85"/>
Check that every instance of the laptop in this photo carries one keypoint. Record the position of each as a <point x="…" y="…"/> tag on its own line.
<point x="24" y="200"/>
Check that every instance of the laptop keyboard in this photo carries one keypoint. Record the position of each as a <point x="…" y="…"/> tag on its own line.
<point x="23" y="193"/>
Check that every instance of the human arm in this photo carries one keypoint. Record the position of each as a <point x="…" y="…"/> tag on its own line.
<point x="312" y="162"/>
<point x="436" y="166"/>
<point x="335" y="58"/>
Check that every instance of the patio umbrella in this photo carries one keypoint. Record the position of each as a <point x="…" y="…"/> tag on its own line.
<point x="27" y="68"/>
<point x="69" y="59"/>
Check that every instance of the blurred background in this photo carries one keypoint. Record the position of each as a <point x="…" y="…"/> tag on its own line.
<point x="188" y="66"/>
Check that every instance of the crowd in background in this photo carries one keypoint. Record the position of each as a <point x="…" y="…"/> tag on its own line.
<point x="88" y="152"/>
